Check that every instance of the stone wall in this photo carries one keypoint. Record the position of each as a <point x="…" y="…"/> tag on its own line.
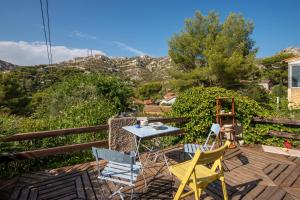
<point x="119" y="139"/>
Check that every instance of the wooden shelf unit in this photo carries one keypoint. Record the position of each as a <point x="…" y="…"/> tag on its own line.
<point x="230" y="115"/>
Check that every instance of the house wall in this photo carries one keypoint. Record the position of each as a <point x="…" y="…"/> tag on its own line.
<point x="293" y="92"/>
<point x="294" y="98"/>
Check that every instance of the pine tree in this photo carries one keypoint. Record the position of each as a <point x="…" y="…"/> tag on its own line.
<point x="211" y="53"/>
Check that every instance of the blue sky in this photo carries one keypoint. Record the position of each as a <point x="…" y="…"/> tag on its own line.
<point x="135" y="27"/>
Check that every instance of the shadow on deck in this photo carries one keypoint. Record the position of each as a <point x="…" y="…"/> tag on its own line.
<point x="250" y="174"/>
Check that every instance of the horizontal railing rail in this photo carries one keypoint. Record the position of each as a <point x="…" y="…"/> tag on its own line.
<point x="51" y="151"/>
<point x="53" y="133"/>
<point x="288" y="122"/>
<point x="287" y="135"/>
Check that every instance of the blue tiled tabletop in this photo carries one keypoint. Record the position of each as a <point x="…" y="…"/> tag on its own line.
<point x="148" y="131"/>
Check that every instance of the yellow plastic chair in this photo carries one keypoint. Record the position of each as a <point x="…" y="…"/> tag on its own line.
<point x="196" y="176"/>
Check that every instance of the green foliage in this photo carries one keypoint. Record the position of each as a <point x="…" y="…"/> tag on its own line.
<point x="276" y="68"/>
<point x="75" y="90"/>
<point x="75" y="101"/>
<point x="258" y="133"/>
<point x="199" y="105"/>
<point x="279" y="91"/>
<point x="276" y="60"/>
<point x="17" y="87"/>
<point x="256" y="92"/>
<point x="13" y="97"/>
<point x="149" y="90"/>
<point x="224" y="51"/>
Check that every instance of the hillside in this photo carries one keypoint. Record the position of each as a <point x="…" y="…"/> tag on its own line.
<point x="142" y="68"/>
<point x="4" y="66"/>
<point x="292" y="50"/>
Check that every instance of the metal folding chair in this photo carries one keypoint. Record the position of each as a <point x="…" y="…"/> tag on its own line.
<point x="191" y="149"/>
<point x="121" y="169"/>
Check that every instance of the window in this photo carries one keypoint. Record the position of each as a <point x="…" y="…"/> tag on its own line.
<point x="296" y="76"/>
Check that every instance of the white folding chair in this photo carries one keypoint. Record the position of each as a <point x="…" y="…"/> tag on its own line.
<point x="190" y="149"/>
<point x="121" y="169"/>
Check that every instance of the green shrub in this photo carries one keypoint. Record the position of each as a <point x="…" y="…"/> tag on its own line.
<point x="149" y="90"/>
<point x="79" y="101"/>
<point x="199" y="105"/>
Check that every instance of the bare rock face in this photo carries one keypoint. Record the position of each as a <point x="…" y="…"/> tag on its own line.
<point x="141" y="68"/>
<point x="6" y="66"/>
<point x="293" y="50"/>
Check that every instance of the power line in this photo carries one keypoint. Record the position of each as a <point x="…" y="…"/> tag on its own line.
<point x="49" y="35"/>
<point x="45" y="33"/>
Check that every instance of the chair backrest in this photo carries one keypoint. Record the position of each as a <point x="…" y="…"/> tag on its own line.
<point x="113" y="156"/>
<point x="211" y="156"/>
<point x="215" y="129"/>
<point x="203" y="158"/>
<point x="208" y="157"/>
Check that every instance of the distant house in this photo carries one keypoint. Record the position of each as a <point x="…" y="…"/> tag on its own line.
<point x="294" y="82"/>
<point x="169" y="95"/>
<point x="169" y="101"/>
<point x="266" y="84"/>
<point x="148" y="102"/>
<point x="143" y="102"/>
<point x="156" y="110"/>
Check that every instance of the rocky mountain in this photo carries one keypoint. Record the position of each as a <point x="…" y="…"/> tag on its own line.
<point x="292" y="50"/>
<point x="5" y="66"/>
<point x="141" y="68"/>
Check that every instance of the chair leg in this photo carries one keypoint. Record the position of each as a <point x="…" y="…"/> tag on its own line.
<point x="179" y="192"/>
<point x="197" y="195"/>
<point x="200" y="192"/>
<point x="117" y="192"/>
<point x="222" y="178"/>
<point x="131" y="195"/>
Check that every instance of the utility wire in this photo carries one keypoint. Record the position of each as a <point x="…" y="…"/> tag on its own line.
<point x="49" y="31"/>
<point x="45" y="33"/>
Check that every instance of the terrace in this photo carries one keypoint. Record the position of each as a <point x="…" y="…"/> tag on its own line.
<point x="250" y="174"/>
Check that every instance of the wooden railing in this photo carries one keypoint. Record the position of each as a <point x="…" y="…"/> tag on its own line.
<point x="53" y="133"/>
<point x="285" y="122"/>
<point x="288" y="122"/>
<point x="66" y="148"/>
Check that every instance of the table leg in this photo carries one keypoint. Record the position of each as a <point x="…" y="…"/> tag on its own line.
<point x="137" y="153"/>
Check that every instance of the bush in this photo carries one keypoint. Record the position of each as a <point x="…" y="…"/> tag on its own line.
<point x="257" y="93"/>
<point x="73" y="90"/>
<point x="82" y="100"/>
<point x="199" y="105"/>
<point x="149" y="90"/>
<point x="279" y="91"/>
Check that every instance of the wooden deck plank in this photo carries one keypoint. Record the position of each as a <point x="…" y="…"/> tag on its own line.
<point x="278" y="195"/>
<point x="267" y="193"/>
<point x="277" y="171"/>
<point x="285" y="174"/>
<point x="254" y="192"/>
<point x="59" y="192"/>
<point x="251" y="174"/>
<point x="291" y="178"/>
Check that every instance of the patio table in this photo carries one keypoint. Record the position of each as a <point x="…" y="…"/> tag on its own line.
<point x="148" y="132"/>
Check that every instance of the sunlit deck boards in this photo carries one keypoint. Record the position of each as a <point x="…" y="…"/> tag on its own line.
<point x="250" y="174"/>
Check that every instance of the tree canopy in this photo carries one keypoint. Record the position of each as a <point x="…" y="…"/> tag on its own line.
<point x="218" y="53"/>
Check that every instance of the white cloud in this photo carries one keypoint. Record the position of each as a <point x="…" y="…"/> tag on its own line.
<point x="79" y="34"/>
<point x="33" y="53"/>
<point x="129" y="48"/>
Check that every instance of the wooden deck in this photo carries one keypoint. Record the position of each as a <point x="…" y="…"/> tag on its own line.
<point x="250" y="174"/>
